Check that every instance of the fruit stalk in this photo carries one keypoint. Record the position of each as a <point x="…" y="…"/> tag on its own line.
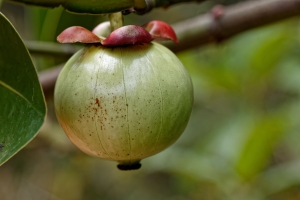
<point x="116" y="20"/>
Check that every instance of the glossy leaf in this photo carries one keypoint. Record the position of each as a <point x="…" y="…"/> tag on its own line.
<point x="83" y="6"/>
<point x="22" y="104"/>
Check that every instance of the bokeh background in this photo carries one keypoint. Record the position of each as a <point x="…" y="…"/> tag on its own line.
<point x="242" y="141"/>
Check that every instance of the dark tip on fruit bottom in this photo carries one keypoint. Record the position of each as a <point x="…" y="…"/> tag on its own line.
<point x="126" y="167"/>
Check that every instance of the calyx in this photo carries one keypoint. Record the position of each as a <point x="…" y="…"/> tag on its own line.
<point x="126" y="35"/>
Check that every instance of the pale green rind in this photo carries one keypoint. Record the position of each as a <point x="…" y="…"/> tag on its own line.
<point x="22" y="104"/>
<point x="124" y="103"/>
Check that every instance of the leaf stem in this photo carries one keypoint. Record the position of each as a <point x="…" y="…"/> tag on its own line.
<point x="143" y="6"/>
<point x="166" y="3"/>
<point x="116" y="20"/>
<point x="140" y="4"/>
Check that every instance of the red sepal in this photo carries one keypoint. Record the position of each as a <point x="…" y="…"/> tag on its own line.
<point x="78" y="34"/>
<point x="161" y="30"/>
<point x="130" y="34"/>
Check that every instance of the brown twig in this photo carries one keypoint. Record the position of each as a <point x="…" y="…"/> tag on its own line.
<point x="52" y="49"/>
<point x="232" y="20"/>
<point x="48" y="78"/>
<point x="219" y="24"/>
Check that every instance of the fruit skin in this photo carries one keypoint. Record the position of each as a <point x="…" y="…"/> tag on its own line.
<point x="123" y="103"/>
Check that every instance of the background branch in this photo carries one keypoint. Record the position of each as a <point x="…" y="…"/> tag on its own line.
<point x="48" y="78"/>
<point x="215" y="27"/>
<point x="235" y="19"/>
<point x="51" y="48"/>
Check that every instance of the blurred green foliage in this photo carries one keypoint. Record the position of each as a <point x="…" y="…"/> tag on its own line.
<point x="242" y="141"/>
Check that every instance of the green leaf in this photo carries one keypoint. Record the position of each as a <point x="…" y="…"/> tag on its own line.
<point x="22" y="104"/>
<point x="83" y="6"/>
<point x="257" y="151"/>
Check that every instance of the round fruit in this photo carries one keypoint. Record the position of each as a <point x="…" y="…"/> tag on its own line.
<point x="123" y="103"/>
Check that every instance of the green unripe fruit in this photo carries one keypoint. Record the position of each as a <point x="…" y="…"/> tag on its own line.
<point x="123" y="103"/>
